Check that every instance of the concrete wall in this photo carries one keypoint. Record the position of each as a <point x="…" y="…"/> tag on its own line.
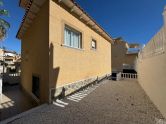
<point x="152" y="70"/>
<point x="35" y="53"/>
<point x="70" y="65"/>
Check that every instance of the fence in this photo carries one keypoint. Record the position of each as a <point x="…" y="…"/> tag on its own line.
<point x="155" y="46"/>
<point x="129" y="75"/>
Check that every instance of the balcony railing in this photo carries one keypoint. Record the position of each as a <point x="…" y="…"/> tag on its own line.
<point x="129" y="75"/>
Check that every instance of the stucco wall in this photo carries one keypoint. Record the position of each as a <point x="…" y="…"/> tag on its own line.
<point x="35" y="54"/>
<point x="152" y="74"/>
<point x="118" y="56"/>
<point x="130" y="58"/>
<point x="71" y="65"/>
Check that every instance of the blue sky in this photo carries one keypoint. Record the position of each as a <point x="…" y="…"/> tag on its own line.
<point x="15" y="18"/>
<point x="134" y="20"/>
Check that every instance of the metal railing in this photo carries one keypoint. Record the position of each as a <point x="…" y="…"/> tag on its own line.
<point x="129" y="75"/>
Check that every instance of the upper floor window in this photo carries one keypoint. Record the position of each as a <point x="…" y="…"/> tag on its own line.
<point x="72" y="38"/>
<point x="93" y="44"/>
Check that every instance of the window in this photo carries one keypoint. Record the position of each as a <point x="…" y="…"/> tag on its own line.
<point x="93" y="44"/>
<point x="72" y="38"/>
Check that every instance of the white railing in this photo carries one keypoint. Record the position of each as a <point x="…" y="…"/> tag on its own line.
<point x="14" y="74"/>
<point x="129" y="75"/>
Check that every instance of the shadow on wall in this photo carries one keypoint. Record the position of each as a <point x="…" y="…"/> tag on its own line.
<point x="53" y="73"/>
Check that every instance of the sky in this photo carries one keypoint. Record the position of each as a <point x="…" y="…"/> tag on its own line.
<point x="15" y="17"/>
<point x="136" y="21"/>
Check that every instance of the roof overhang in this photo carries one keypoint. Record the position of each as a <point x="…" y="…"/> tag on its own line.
<point x="24" y="3"/>
<point x="75" y="8"/>
<point x="32" y="8"/>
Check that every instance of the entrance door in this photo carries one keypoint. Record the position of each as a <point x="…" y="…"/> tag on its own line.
<point x="36" y="86"/>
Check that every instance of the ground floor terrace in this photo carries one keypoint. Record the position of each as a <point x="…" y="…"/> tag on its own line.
<point x="109" y="102"/>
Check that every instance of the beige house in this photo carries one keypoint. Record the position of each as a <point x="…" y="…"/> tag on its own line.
<point x="62" y="46"/>
<point x="10" y="58"/>
<point x="124" y="55"/>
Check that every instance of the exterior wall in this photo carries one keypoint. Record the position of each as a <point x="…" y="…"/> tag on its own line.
<point x="118" y="56"/>
<point x="71" y="65"/>
<point x="131" y="58"/>
<point x="35" y="60"/>
<point x="1" y="54"/>
<point x="152" y="70"/>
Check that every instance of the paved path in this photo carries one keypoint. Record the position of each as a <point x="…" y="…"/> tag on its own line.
<point x="111" y="102"/>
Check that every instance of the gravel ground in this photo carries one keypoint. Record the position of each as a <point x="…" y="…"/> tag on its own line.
<point x="112" y="102"/>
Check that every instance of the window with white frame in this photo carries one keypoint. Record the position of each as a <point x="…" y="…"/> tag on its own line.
<point x="72" y="38"/>
<point x="93" y="44"/>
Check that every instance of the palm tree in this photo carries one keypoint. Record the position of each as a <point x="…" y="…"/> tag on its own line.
<point x="4" y="25"/>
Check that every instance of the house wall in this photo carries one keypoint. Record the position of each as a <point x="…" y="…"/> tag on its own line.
<point x="35" y="53"/>
<point x="130" y="58"/>
<point x="118" y="56"/>
<point x="68" y="64"/>
<point x="152" y="70"/>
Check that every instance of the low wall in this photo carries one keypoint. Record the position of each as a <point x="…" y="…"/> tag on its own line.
<point x="151" y="68"/>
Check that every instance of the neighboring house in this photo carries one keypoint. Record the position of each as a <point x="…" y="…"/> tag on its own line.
<point x="62" y="46"/>
<point x="11" y="67"/>
<point x="124" y="56"/>
<point x="10" y="58"/>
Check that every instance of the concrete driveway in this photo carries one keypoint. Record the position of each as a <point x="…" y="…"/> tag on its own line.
<point x="110" y="102"/>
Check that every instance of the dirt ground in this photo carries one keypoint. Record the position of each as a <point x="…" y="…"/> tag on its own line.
<point x="110" y="102"/>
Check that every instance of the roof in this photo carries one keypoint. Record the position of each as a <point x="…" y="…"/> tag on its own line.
<point x="32" y="7"/>
<point x="8" y="51"/>
<point x="120" y="40"/>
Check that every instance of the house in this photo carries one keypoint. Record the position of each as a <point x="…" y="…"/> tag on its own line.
<point x="11" y="60"/>
<point x="124" y="56"/>
<point x="62" y="48"/>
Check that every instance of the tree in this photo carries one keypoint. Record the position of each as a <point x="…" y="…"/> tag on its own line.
<point x="4" y="25"/>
